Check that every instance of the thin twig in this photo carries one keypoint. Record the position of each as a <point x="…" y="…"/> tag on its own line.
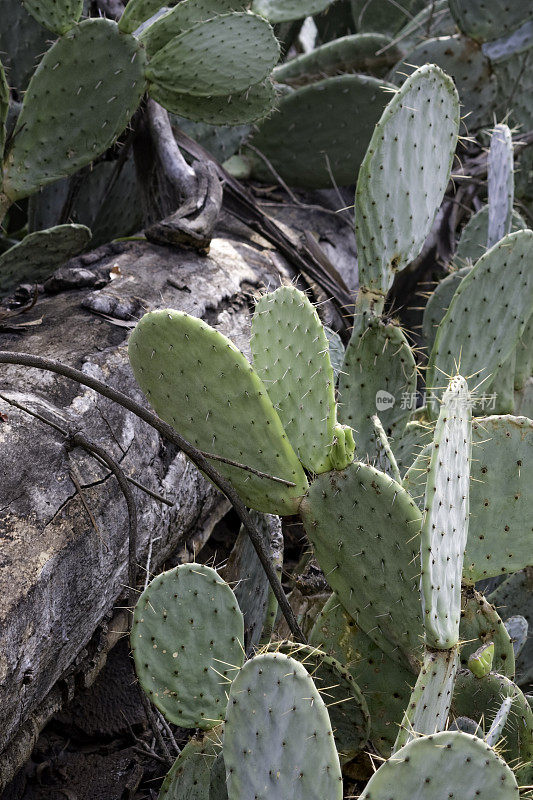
<point x="246" y="468"/>
<point x="152" y="720"/>
<point x="76" y="481"/>
<point x="166" y="431"/>
<point x="168" y="730"/>
<point x="274" y="172"/>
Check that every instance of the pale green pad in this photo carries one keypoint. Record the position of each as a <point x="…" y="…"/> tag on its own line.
<point x="356" y="53"/>
<point x="34" y="258"/>
<point x="480" y="699"/>
<point x="488" y="313"/>
<point x="137" y="12"/>
<point x="291" y="356"/>
<point x="473" y="242"/>
<point x="336" y="351"/>
<point x="199" y="382"/>
<point x="515" y="596"/>
<point x="226" y="54"/>
<point x="480" y="662"/>
<point x="439" y="302"/>
<point x="448" y="764"/>
<point x="404" y="175"/>
<point x="94" y="75"/>
<point x="500" y="496"/>
<point x="348" y="711"/>
<point x="472" y="74"/>
<point x="288" y="10"/>
<point x="233" y="109"/>
<point x="278" y="742"/>
<point x="364" y="529"/>
<point x="480" y="624"/>
<point x="446" y="515"/>
<point x="317" y="121"/>
<point x="501" y="184"/>
<point x="187" y="644"/>
<point x="484" y="20"/>
<point x="384" y="683"/>
<point x="190" y="776"/>
<point x="517" y="627"/>
<point x="56" y="15"/>
<point x="429" y="705"/>
<point x="181" y="18"/>
<point x="378" y="377"/>
<point x="524" y="357"/>
<point x="413" y="440"/>
<point x="499" y="722"/>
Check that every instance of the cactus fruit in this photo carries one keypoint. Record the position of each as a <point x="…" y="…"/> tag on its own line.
<point x="393" y="218"/>
<point x="198" y="381"/>
<point x="378" y="370"/>
<point x="501" y="184"/>
<point x="93" y="74"/>
<point x="187" y="643"/>
<point x="517" y="627"/>
<point x="515" y="596"/>
<point x="291" y="356"/>
<point x="317" y="121"/>
<point x="448" y="764"/>
<point x="370" y="559"/>
<point x="206" y="61"/>
<point x="481" y="624"/>
<point x="484" y="20"/>
<point x="480" y="662"/>
<point x="59" y="16"/>
<point x="446" y="514"/>
<point x="273" y="708"/>
<point x="35" y="258"/>
<point x="473" y="242"/>
<point x="288" y="10"/>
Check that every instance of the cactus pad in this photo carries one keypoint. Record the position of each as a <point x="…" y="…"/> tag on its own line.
<point x="190" y="776"/>
<point x="273" y="708"/>
<point x="291" y="355"/>
<point x="288" y="10"/>
<point x="57" y="15"/>
<point x="439" y="302"/>
<point x="364" y="529"/>
<point x="480" y="662"/>
<point x="22" y="43"/>
<point x="393" y="217"/>
<point x="501" y="184"/>
<point x="199" y="382"/>
<point x="448" y="764"/>
<point x="484" y="20"/>
<point x="413" y="440"/>
<point x="233" y="109"/>
<point x="187" y="643"/>
<point x="481" y="623"/>
<point x="94" y="75"/>
<point x="517" y="627"/>
<point x="515" y="596"/>
<point x="473" y="242"/>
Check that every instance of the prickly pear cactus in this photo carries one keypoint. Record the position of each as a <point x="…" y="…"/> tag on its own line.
<point x="187" y="643"/>
<point x="198" y="381"/>
<point x="481" y="625"/>
<point x="190" y="776"/>
<point x="22" y="43"/>
<point x="517" y="627"/>
<point x="439" y="302"/>
<point x="473" y="242"/>
<point x="253" y="104"/>
<point x="480" y="662"/>
<point x="59" y="16"/>
<point x="273" y="708"/>
<point x="501" y="184"/>
<point x="484" y="20"/>
<point x="288" y="10"/>
<point x="515" y="596"/>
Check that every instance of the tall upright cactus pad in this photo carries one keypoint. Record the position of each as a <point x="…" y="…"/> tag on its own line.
<point x="34" y="258"/>
<point x="59" y="16"/>
<point x="484" y="20"/>
<point x="363" y="527"/>
<point x="448" y="764"/>
<point x="473" y="242"/>
<point x="415" y="141"/>
<point x="278" y="741"/>
<point x="190" y="776"/>
<point x="480" y="624"/>
<point x="288" y="10"/>
<point x="187" y="643"/>
<point x="384" y="683"/>
<point x="226" y="54"/>
<point x="501" y="184"/>
<point x="291" y="355"/>
<point x="93" y="75"/>
<point x="515" y="596"/>
<point x="445" y="521"/>
<point x="232" y="109"/>
<point x="314" y="124"/>
<point x="199" y="382"/>
<point x="488" y="313"/>
<point x="378" y="375"/>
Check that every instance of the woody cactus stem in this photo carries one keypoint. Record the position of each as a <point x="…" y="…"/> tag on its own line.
<point x="176" y="168"/>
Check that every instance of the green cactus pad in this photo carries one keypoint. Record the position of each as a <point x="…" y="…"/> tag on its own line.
<point x="35" y="258"/>
<point x="347" y="707"/>
<point x="336" y="351"/>
<point x="439" y="302"/>
<point x="415" y="141"/>
<point x="94" y="75"/>
<point x="137" y="12"/>
<point x="480" y="699"/>
<point x="413" y="440"/>
<point x="484" y="20"/>
<point x="181" y="18"/>
<point x="59" y="16"/>
<point x="472" y="74"/>
<point x="517" y="627"/>
<point x="378" y="376"/>
<point x="356" y="53"/>
<point x="315" y="121"/>
<point x="364" y="529"/>
<point x="278" y="741"/>
<point x="288" y="10"/>
<point x="234" y="109"/>
<point x="206" y="61"/>
<point x="472" y="331"/>
<point x="480" y="624"/>
<point x="22" y="43"/>
<point x="187" y="643"/>
<point x="190" y="776"/>
<point x="431" y="21"/>
<point x="480" y="662"/>
<point x="499" y="722"/>
<point x="511" y="44"/>
<point x="384" y="683"/>
<point x="524" y="358"/>
<point x="429" y="705"/>
<point x="446" y="516"/>
<point x="473" y="242"/>
<point x="199" y="382"/>
<point x="501" y="184"/>
<point x="375" y="15"/>
<point x="291" y="356"/>
<point x="448" y="764"/>
<point x="515" y="596"/>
